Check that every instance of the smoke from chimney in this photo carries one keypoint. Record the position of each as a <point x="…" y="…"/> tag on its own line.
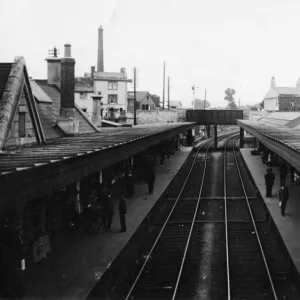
<point x="100" y="64"/>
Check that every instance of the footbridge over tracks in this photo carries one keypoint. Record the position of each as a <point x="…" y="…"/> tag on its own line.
<point x="215" y="118"/>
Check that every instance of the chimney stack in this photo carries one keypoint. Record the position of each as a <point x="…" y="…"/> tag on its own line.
<point x="273" y="84"/>
<point x="100" y="65"/>
<point x="96" y="119"/>
<point x="67" y="81"/>
<point x="93" y="69"/>
<point x="53" y="72"/>
<point x="67" y="120"/>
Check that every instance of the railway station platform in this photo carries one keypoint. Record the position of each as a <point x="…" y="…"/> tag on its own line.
<point x="289" y="225"/>
<point x="79" y="261"/>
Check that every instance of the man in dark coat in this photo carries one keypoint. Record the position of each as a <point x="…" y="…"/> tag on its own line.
<point x="150" y="177"/>
<point x="283" y="198"/>
<point x="269" y="181"/>
<point x="122" y="213"/>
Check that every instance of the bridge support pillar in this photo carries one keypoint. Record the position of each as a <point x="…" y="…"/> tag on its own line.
<point x="216" y="136"/>
<point x="241" y="138"/>
<point x="189" y="137"/>
<point x="208" y="130"/>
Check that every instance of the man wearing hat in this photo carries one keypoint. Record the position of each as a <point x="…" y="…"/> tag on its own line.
<point x="269" y="181"/>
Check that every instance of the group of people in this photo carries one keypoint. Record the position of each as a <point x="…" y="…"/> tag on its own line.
<point x="283" y="191"/>
<point x="100" y="209"/>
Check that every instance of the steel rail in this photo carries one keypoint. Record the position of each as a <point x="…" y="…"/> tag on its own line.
<point x="192" y="227"/>
<point x="207" y="142"/>
<point x="193" y="223"/>
<point x="226" y="222"/>
<point x="165" y="223"/>
<point x="255" y="228"/>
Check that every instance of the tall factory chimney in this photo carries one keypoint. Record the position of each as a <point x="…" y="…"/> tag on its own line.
<point x="100" y="64"/>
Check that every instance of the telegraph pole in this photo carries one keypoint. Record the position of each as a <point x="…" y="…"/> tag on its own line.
<point x="205" y="99"/>
<point x="169" y="92"/>
<point x="164" y="85"/>
<point x="134" y="96"/>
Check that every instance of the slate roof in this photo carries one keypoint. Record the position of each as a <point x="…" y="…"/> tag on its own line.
<point x="84" y="84"/>
<point x="65" y="148"/>
<point x="4" y="72"/>
<point x="156" y="99"/>
<point x="278" y="119"/>
<point x="277" y="91"/>
<point x="287" y="138"/>
<point x="48" y="121"/>
<point x="14" y="82"/>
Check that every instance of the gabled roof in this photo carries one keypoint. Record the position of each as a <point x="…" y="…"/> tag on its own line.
<point x="277" y="91"/>
<point x="140" y="95"/>
<point x="14" y="82"/>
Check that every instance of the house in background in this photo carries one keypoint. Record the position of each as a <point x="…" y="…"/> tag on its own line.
<point x="175" y="104"/>
<point x="143" y="101"/>
<point x="84" y="90"/>
<point x="37" y="111"/>
<point x="282" y="98"/>
<point x="110" y="86"/>
<point x="156" y="100"/>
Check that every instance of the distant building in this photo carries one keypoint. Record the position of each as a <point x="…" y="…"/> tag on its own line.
<point x="156" y="100"/>
<point x="39" y="111"/>
<point x="175" y="104"/>
<point x="111" y="86"/>
<point x="143" y="101"/>
<point x="282" y="98"/>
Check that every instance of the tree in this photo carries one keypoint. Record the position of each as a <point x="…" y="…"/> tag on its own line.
<point x="199" y="104"/>
<point x="262" y="104"/>
<point x="229" y="97"/>
<point x="253" y="107"/>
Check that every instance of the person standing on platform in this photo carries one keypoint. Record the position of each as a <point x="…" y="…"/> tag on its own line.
<point x="283" y="198"/>
<point x="150" y="177"/>
<point x="283" y="172"/>
<point x="129" y="184"/>
<point x="122" y="212"/>
<point x="108" y="208"/>
<point x="269" y="181"/>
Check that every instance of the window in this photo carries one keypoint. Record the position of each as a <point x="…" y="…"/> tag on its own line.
<point x="82" y="95"/>
<point x="21" y="125"/>
<point x="84" y="109"/>
<point x="145" y="107"/>
<point x="113" y="85"/>
<point x="112" y="99"/>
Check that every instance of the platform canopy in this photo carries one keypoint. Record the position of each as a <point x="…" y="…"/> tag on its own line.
<point x="41" y="169"/>
<point x="283" y="141"/>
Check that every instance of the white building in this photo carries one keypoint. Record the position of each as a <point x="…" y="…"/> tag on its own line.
<point x="112" y="87"/>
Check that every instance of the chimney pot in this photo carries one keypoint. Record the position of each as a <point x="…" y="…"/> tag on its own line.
<point x="67" y="50"/>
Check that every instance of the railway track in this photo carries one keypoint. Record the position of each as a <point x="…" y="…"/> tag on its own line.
<point x="161" y="272"/>
<point x="215" y="241"/>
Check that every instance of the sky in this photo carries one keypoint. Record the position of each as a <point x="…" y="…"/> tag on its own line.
<point x="212" y="44"/>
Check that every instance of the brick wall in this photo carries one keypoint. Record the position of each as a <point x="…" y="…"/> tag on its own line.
<point x="14" y="138"/>
<point x="150" y="117"/>
<point x="285" y="103"/>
